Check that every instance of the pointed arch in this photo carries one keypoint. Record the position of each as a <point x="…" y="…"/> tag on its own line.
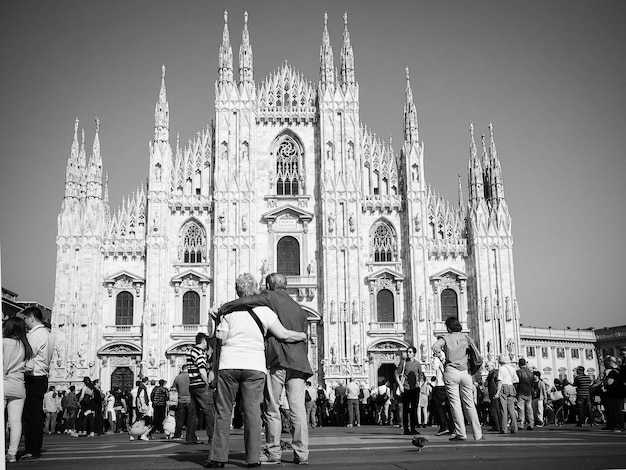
<point x="383" y="242"/>
<point x="192" y="246"/>
<point x="288" y="152"/>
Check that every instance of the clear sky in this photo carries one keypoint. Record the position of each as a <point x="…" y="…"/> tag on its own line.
<point x="550" y="75"/>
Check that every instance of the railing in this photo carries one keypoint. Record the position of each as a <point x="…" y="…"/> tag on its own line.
<point x="122" y="331"/>
<point x="185" y="331"/>
<point x="386" y="327"/>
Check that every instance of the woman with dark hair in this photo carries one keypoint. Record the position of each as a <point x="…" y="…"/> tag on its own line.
<point x="16" y="351"/>
<point x="458" y="381"/>
<point x="85" y="421"/>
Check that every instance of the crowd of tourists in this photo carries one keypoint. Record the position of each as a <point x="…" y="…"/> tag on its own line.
<point x="253" y="372"/>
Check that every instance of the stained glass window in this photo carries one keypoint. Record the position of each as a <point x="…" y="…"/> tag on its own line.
<point x="287" y="175"/>
<point x="383" y="243"/>
<point x="191" y="308"/>
<point x="288" y="256"/>
<point x="124" y="308"/>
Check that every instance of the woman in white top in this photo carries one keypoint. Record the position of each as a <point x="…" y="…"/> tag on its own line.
<point x="16" y="351"/>
<point x="507" y="377"/>
<point x="242" y="365"/>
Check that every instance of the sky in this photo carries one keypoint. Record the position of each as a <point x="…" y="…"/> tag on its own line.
<point x="550" y="75"/>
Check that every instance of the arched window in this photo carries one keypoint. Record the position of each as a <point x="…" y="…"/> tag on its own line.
<point x="288" y="157"/>
<point x="384" y="306"/>
<point x="383" y="243"/>
<point x="191" y="308"/>
<point x="124" y="308"/>
<point x="193" y="243"/>
<point x="288" y="256"/>
<point x="449" y="304"/>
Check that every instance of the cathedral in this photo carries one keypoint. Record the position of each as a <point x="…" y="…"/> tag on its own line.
<point x="286" y="178"/>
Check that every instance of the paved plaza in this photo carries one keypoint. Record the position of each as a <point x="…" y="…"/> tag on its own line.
<point x="366" y="447"/>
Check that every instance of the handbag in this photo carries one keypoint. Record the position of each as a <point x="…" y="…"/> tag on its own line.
<point x="400" y="390"/>
<point x="474" y="359"/>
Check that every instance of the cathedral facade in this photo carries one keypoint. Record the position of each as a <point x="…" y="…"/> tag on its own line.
<point x="286" y="178"/>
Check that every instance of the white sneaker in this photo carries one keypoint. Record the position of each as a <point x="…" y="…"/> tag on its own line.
<point x="132" y="438"/>
<point x="144" y="438"/>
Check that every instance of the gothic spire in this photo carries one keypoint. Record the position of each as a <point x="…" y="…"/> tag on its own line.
<point x="245" y="54"/>
<point x="411" y="130"/>
<point x="347" y="56"/>
<point x="497" y="189"/>
<point x="82" y="165"/>
<point x="461" y="202"/>
<point x="72" y="165"/>
<point x="162" y="113"/>
<point x="475" y="173"/>
<point x="94" y="173"/>
<point x="225" y="55"/>
<point x="327" y="68"/>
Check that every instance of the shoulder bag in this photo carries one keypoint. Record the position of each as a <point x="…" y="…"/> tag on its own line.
<point x="474" y="359"/>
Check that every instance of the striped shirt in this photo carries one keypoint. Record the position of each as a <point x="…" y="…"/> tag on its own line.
<point x="582" y="382"/>
<point x="196" y="361"/>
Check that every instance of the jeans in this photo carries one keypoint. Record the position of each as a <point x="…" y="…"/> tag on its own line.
<point x="311" y="413"/>
<point x="538" y="409"/>
<point x="460" y="390"/>
<point x="36" y="387"/>
<point x="525" y="410"/>
<point x="51" y="422"/>
<point x="14" y="408"/>
<point x="294" y="384"/>
<point x="354" y="415"/>
<point x="584" y="408"/>
<point x="186" y="416"/>
<point x="251" y="383"/>
<point x="203" y="399"/>
<point x="494" y="412"/>
<point x="507" y="408"/>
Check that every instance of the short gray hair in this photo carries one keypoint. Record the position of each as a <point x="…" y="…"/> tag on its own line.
<point x="245" y="284"/>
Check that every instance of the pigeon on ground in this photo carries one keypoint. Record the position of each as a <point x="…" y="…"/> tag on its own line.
<point x="419" y="442"/>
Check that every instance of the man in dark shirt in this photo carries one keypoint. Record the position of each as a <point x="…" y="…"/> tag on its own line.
<point x="524" y="396"/>
<point x="185" y="408"/>
<point x="582" y="382"/>
<point x="288" y="365"/>
<point x="494" y="403"/>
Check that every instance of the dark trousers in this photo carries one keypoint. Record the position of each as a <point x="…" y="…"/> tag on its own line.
<point x="441" y="409"/>
<point x="203" y="399"/>
<point x="33" y="415"/>
<point x="159" y="416"/>
<point x="584" y="408"/>
<point x="496" y="415"/>
<point x="614" y="415"/>
<point x="410" y="399"/>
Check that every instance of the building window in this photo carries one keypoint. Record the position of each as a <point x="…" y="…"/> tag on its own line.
<point x="288" y="256"/>
<point x="384" y="306"/>
<point x="124" y="309"/>
<point x="193" y="243"/>
<point x="544" y="353"/>
<point x="560" y="353"/>
<point x="589" y="354"/>
<point x="383" y="243"/>
<point x="288" y="156"/>
<point x="191" y="308"/>
<point x="562" y="373"/>
<point x="575" y="353"/>
<point x="530" y="351"/>
<point x="449" y="304"/>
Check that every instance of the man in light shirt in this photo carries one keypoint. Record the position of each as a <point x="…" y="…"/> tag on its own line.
<point x="352" y="392"/>
<point x="50" y="407"/>
<point x="36" y="380"/>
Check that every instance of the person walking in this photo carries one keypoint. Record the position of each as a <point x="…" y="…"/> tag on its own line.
<point x="459" y="384"/>
<point x="407" y="378"/>
<point x="242" y="366"/>
<point x="16" y="351"/>
<point x="36" y="380"/>
<point x="310" y="396"/>
<point x="185" y="408"/>
<point x="440" y="402"/>
<point x="288" y="366"/>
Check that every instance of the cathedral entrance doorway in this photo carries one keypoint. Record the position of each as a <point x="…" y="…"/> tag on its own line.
<point x="123" y="378"/>
<point x="386" y="372"/>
